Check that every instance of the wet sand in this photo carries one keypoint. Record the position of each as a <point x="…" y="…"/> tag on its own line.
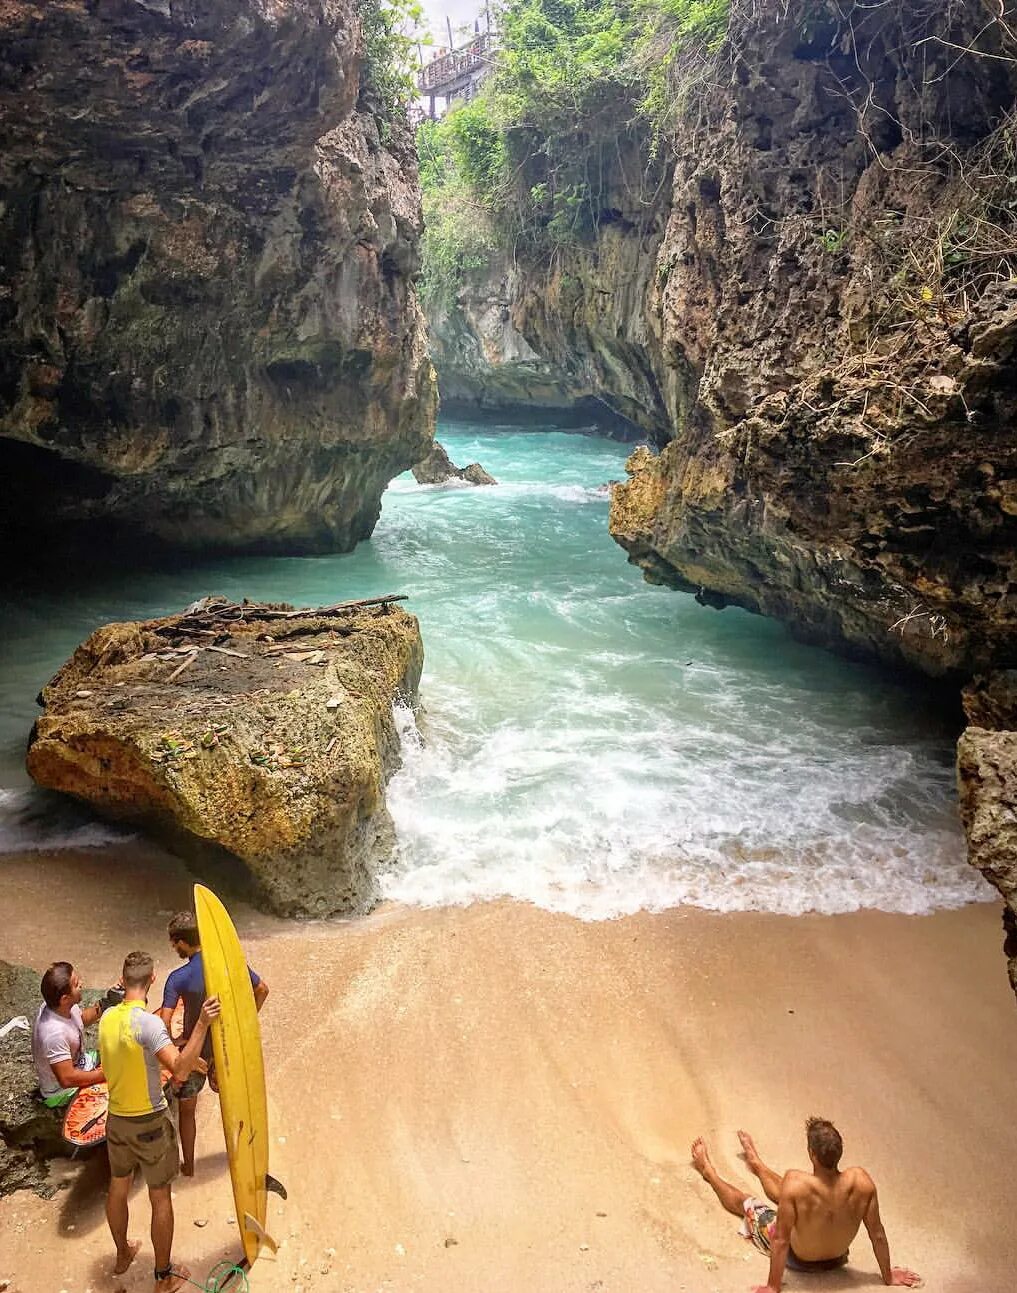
<point x="500" y="1100"/>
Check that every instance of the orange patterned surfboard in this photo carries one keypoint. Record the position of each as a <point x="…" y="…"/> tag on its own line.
<point x="85" y="1119"/>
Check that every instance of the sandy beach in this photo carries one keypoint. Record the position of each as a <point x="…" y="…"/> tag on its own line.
<point x="496" y="1099"/>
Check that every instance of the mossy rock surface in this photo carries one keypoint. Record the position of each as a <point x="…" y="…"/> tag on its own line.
<point x="266" y="737"/>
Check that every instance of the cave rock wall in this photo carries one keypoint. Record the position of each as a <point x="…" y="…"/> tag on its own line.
<point x="209" y="335"/>
<point x="841" y="451"/>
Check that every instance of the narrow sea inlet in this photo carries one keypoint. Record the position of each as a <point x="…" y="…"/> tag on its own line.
<point x="585" y="741"/>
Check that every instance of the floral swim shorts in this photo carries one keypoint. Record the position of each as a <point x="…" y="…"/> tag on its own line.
<point x="759" y="1223"/>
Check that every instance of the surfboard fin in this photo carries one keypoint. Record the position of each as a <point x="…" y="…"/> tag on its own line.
<point x="255" y="1226"/>
<point x="275" y="1187"/>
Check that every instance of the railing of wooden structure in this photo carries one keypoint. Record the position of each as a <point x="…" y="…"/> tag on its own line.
<point x="445" y="71"/>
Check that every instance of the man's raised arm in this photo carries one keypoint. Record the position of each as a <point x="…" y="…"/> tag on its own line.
<point x="895" y="1275"/>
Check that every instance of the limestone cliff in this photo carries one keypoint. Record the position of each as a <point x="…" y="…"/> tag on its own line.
<point x="807" y="299"/>
<point x="572" y="337"/>
<point x="836" y="327"/>
<point x="483" y="362"/>
<point x="209" y="334"/>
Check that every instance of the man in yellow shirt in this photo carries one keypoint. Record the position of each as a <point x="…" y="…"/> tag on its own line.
<point x="133" y="1046"/>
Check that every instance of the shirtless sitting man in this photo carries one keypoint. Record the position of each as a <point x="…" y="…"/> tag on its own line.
<point x="817" y="1213"/>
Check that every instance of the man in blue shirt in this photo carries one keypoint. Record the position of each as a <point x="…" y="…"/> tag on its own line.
<point x="188" y="985"/>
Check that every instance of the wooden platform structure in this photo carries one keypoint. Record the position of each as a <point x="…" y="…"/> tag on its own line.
<point x="458" y="73"/>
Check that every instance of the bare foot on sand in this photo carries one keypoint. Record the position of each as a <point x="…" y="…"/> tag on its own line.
<point x="186" y="1169"/>
<point x="700" y="1156"/>
<point x="175" y="1281"/>
<point x="125" y="1258"/>
<point x="749" y="1150"/>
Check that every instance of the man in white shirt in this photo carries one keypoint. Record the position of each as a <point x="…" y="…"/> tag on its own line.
<point x="62" y="1063"/>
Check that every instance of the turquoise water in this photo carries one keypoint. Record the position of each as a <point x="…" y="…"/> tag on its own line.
<point x="585" y="741"/>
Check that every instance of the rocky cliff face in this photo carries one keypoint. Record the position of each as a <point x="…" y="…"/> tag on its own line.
<point x="483" y="362"/>
<point x="987" y="778"/>
<point x="572" y="335"/>
<point x="208" y="330"/>
<point x="837" y="346"/>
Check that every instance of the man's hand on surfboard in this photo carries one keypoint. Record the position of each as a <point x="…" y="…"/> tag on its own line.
<point x="210" y="1010"/>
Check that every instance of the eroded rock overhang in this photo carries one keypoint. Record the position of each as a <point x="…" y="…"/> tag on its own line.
<point x="209" y="334"/>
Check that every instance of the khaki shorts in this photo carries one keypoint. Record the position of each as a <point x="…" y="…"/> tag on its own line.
<point x="149" y="1143"/>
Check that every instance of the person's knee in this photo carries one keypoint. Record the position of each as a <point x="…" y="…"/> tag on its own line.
<point x="120" y="1186"/>
<point x="160" y="1197"/>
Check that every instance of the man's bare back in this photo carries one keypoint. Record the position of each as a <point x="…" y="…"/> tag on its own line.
<point x="827" y="1213"/>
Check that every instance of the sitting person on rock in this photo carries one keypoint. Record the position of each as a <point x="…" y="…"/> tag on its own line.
<point x="62" y="1063"/>
<point x="814" y="1215"/>
<point x="188" y="984"/>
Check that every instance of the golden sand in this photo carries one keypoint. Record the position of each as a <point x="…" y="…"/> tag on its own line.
<point x="497" y="1099"/>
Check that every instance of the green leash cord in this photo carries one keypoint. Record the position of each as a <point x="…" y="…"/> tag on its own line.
<point x="221" y="1275"/>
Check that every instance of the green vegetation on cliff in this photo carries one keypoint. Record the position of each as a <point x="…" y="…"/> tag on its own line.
<point x="462" y="163"/>
<point x="392" y="31"/>
<point x="522" y="165"/>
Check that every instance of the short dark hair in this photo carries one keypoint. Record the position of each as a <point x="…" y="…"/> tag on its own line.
<point x="138" y="967"/>
<point x="56" y="983"/>
<point x="825" y="1144"/>
<point x="184" y="927"/>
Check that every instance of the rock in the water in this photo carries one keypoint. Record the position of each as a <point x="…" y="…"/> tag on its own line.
<point x="209" y="330"/>
<point x="987" y="781"/>
<point x="476" y="475"/>
<point x="438" y="467"/>
<point x="219" y="729"/>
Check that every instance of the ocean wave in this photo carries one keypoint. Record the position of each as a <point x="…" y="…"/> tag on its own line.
<point x="602" y="825"/>
<point x="34" y="821"/>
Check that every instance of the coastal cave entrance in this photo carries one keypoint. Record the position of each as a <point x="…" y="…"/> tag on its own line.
<point x="45" y="496"/>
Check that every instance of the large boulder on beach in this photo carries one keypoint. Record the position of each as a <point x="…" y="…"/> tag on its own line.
<point x="243" y="732"/>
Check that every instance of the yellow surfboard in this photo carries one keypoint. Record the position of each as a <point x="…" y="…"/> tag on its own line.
<point x="240" y="1068"/>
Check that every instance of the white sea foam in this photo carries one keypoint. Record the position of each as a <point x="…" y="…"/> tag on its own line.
<point x="654" y="819"/>
<point x="33" y="821"/>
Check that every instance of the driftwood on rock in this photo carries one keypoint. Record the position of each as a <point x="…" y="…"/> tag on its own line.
<point x="195" y="620"/>
<point x="271" y="740"/>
